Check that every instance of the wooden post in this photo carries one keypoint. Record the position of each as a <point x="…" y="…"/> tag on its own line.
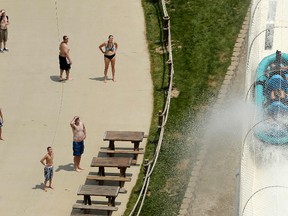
<point x="166" y="29"/>
<point x="169" y="62"/>
<point x="160" y="119"/>
<point x="87" y="200"/>
<point x="145" y="166"/>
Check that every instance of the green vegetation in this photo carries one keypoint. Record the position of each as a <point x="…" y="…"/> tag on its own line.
<point x="203" y="34"/>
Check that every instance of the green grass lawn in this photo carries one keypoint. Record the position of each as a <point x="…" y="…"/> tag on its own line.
<point x="203" y="35"/>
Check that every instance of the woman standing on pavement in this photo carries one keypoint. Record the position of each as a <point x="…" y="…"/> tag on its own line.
<point x="109" y="56"/>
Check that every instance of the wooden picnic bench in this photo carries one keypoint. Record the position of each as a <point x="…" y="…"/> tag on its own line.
<point x="122" y="163"/>
<point x="87" y="209"/>
<point x="109" y="178"/>
<point x="110" y="192"/>
<point x="111" y="153"/>
<point x="134" y="137"/>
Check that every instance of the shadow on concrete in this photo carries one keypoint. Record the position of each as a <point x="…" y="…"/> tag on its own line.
<point x="55" y="78"/>
<point x="67" y="167"/>
<point x="100" y="79"/>
<point x="39" y="186"/>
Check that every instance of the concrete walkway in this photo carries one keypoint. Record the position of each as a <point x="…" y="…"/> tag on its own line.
<point x="38" y="109"/>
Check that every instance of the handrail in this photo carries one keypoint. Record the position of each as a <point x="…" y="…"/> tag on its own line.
<point x="162" y="115"/>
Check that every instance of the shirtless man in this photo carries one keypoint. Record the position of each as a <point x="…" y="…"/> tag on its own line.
<point x="1" y="124"/>
<point x="79" y="134"/>
<point x="4" y="22"/>
<point x="47" y="161"/>
<point x="64" y="58"/>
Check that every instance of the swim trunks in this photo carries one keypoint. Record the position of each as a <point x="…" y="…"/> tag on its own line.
<point x="3" y="35"/>
<point x="1" y="122"/>
<point x="64" y="63"/>
<point x="78" y="148"/>
<point x="48" y="173"/>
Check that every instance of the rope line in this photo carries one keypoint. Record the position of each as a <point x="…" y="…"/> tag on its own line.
<point x="62" y="85"/>
<point x="152" y="163"/>
<point x="60" y="108"/>
<point x="57" y="20"/>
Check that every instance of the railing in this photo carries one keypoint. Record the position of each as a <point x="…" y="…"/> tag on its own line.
<point x="162" y="115"/>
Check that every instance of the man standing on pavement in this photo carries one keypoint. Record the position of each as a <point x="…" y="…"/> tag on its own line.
<point x="47" y="161"/>
<point x="64" y="58"/>
<point x="79" y="134"/>
<point x="4" y="22"/>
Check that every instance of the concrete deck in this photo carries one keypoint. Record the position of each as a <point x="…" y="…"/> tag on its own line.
<point x="38" y="109"/>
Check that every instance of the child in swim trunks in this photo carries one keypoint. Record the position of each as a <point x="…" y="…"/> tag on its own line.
<point x="47" y="161"/>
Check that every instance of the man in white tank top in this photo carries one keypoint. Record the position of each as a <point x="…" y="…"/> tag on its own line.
<point x="79" y="134"/>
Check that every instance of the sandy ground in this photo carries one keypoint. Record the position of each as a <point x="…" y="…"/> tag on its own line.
<point x="38" y="109"/>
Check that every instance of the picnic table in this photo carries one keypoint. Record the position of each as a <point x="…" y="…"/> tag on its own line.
<point x="110" y="192"/>
<point x="121" y="163"/>
<point x="134" y="137"/>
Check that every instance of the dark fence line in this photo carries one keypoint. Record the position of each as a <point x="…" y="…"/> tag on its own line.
<point x="162" y="115"/>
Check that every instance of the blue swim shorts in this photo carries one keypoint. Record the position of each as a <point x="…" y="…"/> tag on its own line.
<point x="78" y="148"/>
<point x="48" y="173"/>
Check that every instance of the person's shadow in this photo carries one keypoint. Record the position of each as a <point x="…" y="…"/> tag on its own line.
<point x="99" y="78"/>
<point x="54" y="78"/>
<point x="39" y="186"/>
<point x="67" y="167"/>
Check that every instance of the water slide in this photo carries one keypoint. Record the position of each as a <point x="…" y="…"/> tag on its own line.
<point x="264" y="167"/>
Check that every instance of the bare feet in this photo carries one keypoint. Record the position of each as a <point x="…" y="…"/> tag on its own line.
<point x="45" y="189"/>
<point x="1" y="138"/>
<point x="61" y="79"/>
<point x="51" y="187"/>
<point x="113" y="79"/>
<point x="69" y="78"/>
<point x="80" y="168"/>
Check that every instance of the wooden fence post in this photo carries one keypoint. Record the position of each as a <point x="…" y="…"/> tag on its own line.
<point x="145" y="166"/>
<point x="160" y="119"/>
<point x="166" y="29"/>
<point x="169" y="62"/>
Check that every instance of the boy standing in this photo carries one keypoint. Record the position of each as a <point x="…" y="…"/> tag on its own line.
<point x="47" y="161"/>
